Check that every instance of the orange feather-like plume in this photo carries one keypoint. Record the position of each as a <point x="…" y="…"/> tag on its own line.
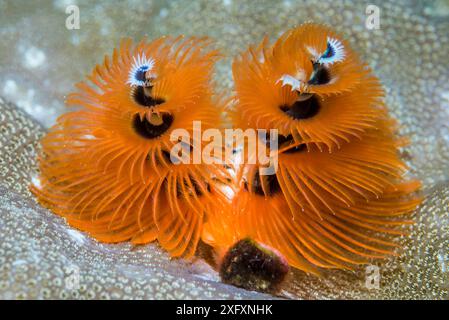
<point x="338" y="197"/>
<point x="107" y="167"/>
<point x="340" y="110"/>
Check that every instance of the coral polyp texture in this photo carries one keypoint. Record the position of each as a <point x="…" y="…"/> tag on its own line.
<point x="339" y="196"/>
<point x="107" y="166"/>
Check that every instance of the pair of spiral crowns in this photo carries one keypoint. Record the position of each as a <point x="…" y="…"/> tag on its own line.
<point x="338" y="198"/>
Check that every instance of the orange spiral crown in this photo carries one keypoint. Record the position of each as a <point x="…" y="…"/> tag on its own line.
<point x="107" y="167"/>
<point x="338" y="197"/>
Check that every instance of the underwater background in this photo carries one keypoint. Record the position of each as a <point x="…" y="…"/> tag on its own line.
<point x="41" y="60"/>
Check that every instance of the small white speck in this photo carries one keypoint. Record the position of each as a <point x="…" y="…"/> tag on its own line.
<point x="76" y="235"/>
<point x="443" y="262"/>
<point x="38" y="109"/>
<point x="26" y="100"/>
<point x="34" y="57"/>
<point x="75" y="39"/>
<point x="19" y="262"/>
<point x="445" y="95"/>
<point x="105" y="29"/>
<point x="228" y="192"/>
<point x="89" y="137"/>
<point x="62" y="4"/>
<point x="163" y="13"/>
<point x="35" y="181"/>
<point x="10" y="88"/>
<point x="227" y="3"/>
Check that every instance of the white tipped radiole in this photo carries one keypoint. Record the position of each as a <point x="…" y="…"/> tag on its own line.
<point x="334" y="52"/>
<point x="288" y="80"/>
<point x="139" y="69"/>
